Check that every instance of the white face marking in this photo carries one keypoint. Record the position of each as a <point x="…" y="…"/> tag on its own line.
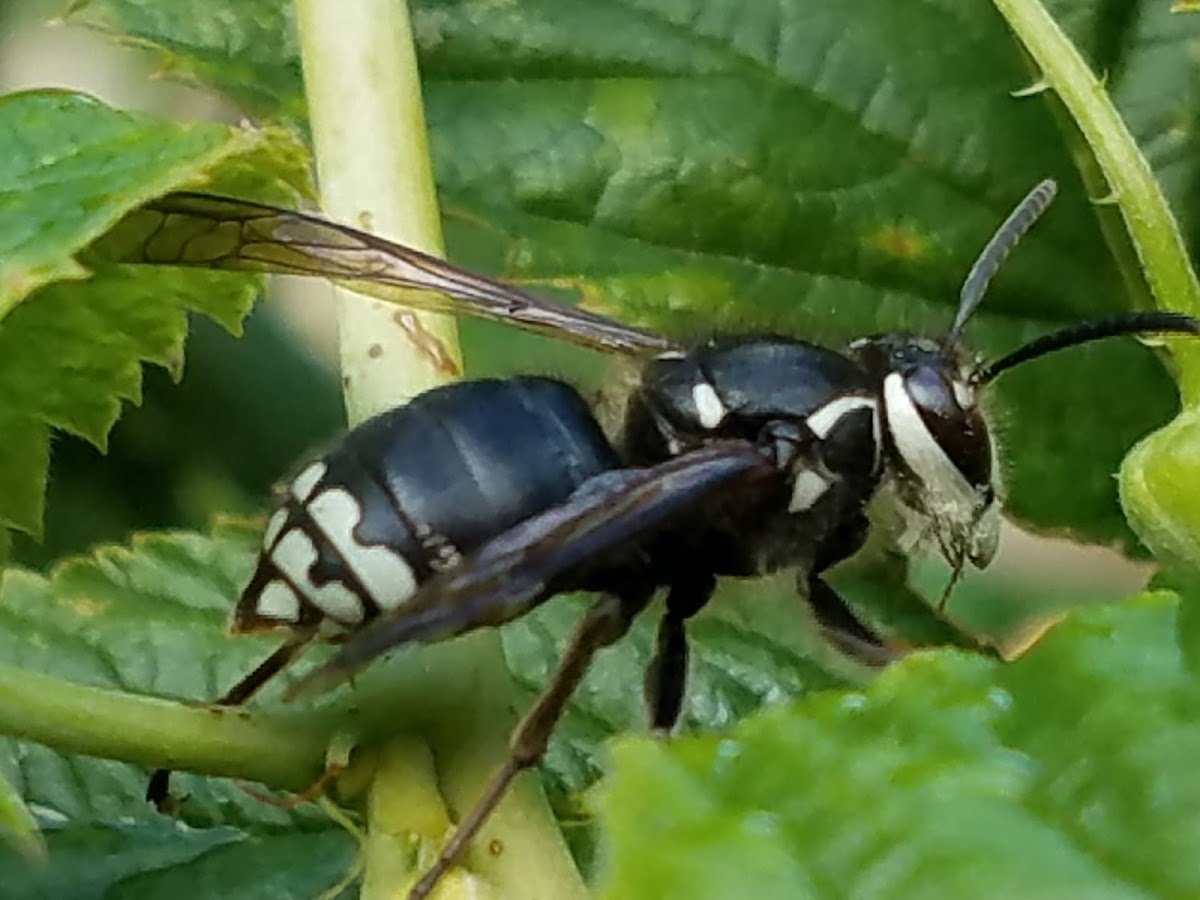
<point x="671" y="354"/>
<point x="304" y="483"/>
<point x="386" y="575"/>
<point x="294" y="556"/>
<point x="807" y="488"/>
<point x="708" y="405"/>
<point x="823" y="420"/>
<point x="274" y="528"/>
<point x="278" y="601"/>
<point x="923" y="454"/>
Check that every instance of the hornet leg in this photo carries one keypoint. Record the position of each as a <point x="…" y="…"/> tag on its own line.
<point x="606" y="622"/>
<point x="666" y="674"/>
<point x="158" y="788"/>
<point x="844" y="629"/>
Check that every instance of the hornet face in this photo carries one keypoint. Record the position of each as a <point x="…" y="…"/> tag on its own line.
<point x="937" y="447"/>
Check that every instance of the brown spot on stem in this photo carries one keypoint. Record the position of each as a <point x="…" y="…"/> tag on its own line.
<point x="426" y="343"/>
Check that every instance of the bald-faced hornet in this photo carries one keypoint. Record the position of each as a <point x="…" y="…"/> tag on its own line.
<point x="479" y="501"/>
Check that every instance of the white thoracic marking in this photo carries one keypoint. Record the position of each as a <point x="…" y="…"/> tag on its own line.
<point x="294" y="555"/>
<point x="708" y="405"/>
<point x="963" y="394"/>
<point x="671" y="354"/>
<point x="386" y="575"/>
<point x="822" y="420"/>
<point x="303" y="484"/>
<point x="274" y="528"/>
<point x="924" y="456"/>
<point x="278" y="601"/>
<point x="807" y="488"/>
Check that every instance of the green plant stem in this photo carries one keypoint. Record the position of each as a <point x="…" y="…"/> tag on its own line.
<point x="373" y="169"/>
<point x="18" y="827"/>
<point x="1133" y="188"/>
<point x="283" y="750"/>
<point x="368" y="125"/>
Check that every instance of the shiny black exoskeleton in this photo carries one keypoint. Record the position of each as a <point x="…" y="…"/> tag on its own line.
<point x="407" y="493"/>
<point x="416" y="489"/>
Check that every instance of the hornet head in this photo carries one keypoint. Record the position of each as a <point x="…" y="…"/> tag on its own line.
<point x="936" y="441"/>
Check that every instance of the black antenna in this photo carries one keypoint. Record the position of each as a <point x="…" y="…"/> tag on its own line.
<point x="1019" y="221"/>
<point x="1084" y="332"/>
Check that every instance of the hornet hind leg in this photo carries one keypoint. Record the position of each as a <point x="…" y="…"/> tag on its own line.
<point x="605" y="623"/>
<point x="158" y="788"/>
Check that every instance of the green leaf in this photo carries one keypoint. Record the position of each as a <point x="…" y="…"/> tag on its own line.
<point x="80" y="166"/>
<point x="248" y="49"/>
<point x="1068" y="773"/>
<point x="728" y="169"/>
<point x="71" y="351"/>
<point x="152" y="620"/>
<point x="145" y="860"/>
<point x="1159" y="490"/>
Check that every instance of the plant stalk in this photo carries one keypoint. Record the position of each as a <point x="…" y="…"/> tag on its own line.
<point x="373" y="170"/>
<point x="1134" y="190"/>
<point x="285" y="751"/>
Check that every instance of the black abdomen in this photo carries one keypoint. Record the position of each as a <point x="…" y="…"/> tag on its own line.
<point x="406" y="492"/>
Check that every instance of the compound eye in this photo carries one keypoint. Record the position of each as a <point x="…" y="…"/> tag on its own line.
<point x="960" y="432"/>
<point x="932" y="393"/>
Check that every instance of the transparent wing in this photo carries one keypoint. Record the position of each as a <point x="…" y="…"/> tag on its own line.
<point x="222" y="233"/>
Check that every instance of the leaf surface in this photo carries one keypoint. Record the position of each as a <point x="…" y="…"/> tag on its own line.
<point x="1067" y="773"/>
<point x="147" y="619"/>
<point x="74" y="334"/>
